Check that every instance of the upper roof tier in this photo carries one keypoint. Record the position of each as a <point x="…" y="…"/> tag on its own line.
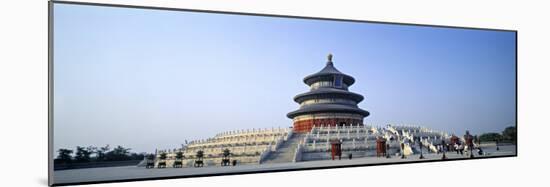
<point x="328" y="71"/>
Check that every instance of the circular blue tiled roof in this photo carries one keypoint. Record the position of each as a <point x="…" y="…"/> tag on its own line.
<point x="329" y="91"/>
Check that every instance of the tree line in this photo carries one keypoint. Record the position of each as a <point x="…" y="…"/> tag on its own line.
<point x="96" y="154"/>
<point x="508" y="135"/>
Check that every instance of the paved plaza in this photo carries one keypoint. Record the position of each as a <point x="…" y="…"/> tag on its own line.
<point x="133" y="172"/>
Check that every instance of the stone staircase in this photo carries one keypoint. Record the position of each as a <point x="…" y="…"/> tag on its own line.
<point x="285" y="153"/>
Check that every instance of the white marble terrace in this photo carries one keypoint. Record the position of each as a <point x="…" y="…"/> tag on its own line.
<point x="251" y="146"/>
<point x="246" y="146"/>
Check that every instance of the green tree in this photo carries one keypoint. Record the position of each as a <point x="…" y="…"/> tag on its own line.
<point x="119" y="153"/>
<point x="137" y="156"/>
<point x="64" y="155"/>
<point x="510" y="133"/>
<point x="101" y="151"/>
<point x="490" y="137"/>
<point x="92" y="150"/>
<point x="179" y="155"/>
<point x="83" y="154"/>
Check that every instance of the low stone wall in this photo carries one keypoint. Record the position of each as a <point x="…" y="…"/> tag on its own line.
<point x="310" y="156"/>
<point x="63" y="166"/>
<point x="214" y="161"/>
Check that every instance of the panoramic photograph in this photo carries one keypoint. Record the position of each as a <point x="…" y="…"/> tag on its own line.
<point x="143" y="93"/>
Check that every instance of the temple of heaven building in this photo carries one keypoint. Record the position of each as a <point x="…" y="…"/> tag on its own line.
<point x="328" y="103"/>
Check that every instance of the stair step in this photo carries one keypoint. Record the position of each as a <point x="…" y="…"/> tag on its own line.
<point x="285" y="153"/>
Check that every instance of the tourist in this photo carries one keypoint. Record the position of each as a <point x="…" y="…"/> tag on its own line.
<point x="479" y="151"/>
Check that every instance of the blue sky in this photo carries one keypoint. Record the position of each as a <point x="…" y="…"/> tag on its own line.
<point x="150" y="79"/>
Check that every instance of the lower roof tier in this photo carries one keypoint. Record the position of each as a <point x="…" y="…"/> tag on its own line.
<point x="327" y="108"/>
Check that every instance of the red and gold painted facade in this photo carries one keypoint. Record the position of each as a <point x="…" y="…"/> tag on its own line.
<point x="304" y="123"/>
<point x="304" y="126"/>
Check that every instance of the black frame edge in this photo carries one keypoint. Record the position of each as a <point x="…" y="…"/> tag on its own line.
<point x="51" y="4"/>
